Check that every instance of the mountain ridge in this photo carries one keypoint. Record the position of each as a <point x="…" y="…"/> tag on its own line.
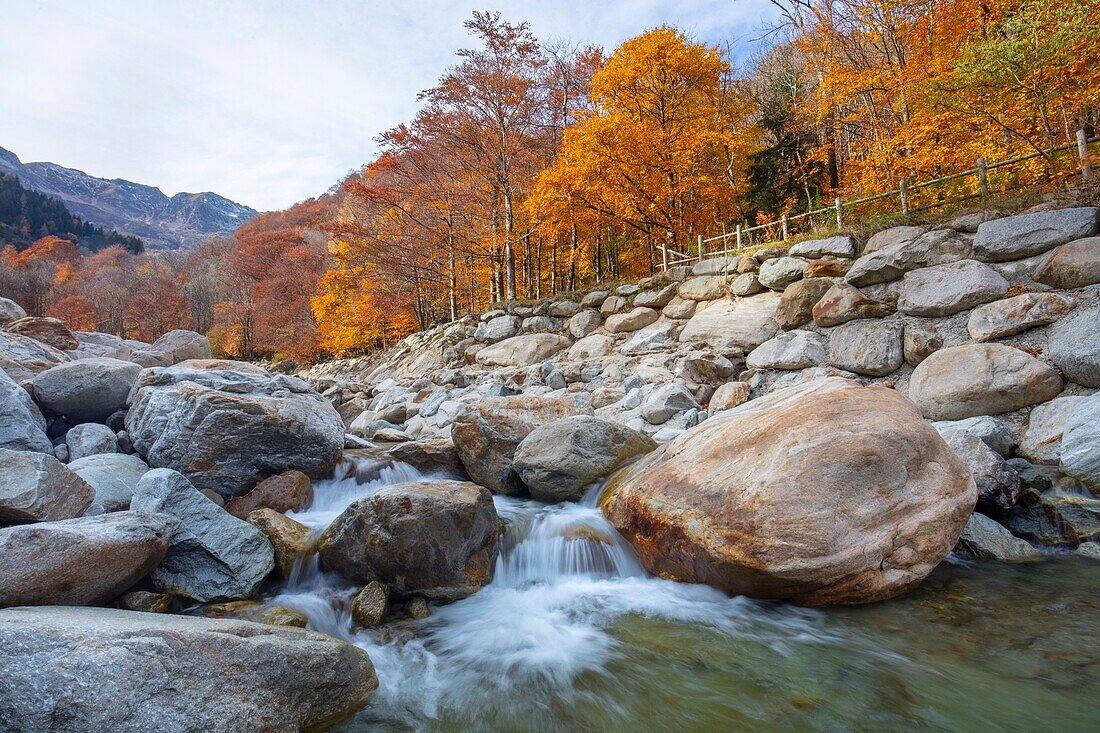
<point x="161" y="221"/>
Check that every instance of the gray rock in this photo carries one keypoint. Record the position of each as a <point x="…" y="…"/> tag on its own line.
<point x="656" y="298"/>
<point x="594" y="299"/>
<point x="539" y="324"/>
<point x="747" y="283"/>
<point x="870" y="347"/>
<point x="564" y="308"/>
<point x="984" y="539"/>
<point x="980" y="379"/>
<point x="632" y="321"/>
<point x="614" y="304"/>
<point x="992" y="431"/>
<point x="798" y="300"/>
<point x="970" y="222"/>
<point x="796" y="349"/>
<point x="716" y="266"/>
<point x="1090" y="550"/>
<point x="435" y="539"/>
<point x="1081" y="443"/>
<point x="667" y="401"/>
<point x="945" y="289"/>
<point x="584" y="323"/>
<point x="998" y="485"/>
<point x="525" y="350"/>
<point x="22" y="426"/>
<point x="703" y="287"/>
<point x="1074" y="346"/>
<point x="172" y="348"/>
<point x="679" y="309"/>
<point x="498" y="329"/>
<point x="162" y="672"/>
<point x="1024" y="235"/>
<point x="892" y="236"/>
<point x="36" y="487"/>
<point x="727" y="325"/>
<point x="1042" y="440"/>
<point x="592" y="346"/>
<point x="227" y="430"/>
<point x="704" y="369"/>
<point x="88" y="390"/>
<point x="81" y="561"/>
<point x="654" y="337"/>
<point x="22" y="357"/>
<point x="114" y="476"/>
<point x="89" y="439"/>
<point x="559" y="460"/>
<point x="1072" y="265"/>
<point x="843" y="302"/>
<point x="10" y="311"/>
<point x="937" y="247"/>
<point x="627" y="290"/>
<point x="213" y="555"/>
<point x="1017" y="314"/>
<point x="1058" y="519"/>
<point x="94" y="345"/>
<point x="921" y="340"/>
<point x="779" y="272"/>
<point x="486" y="434"/>
<point x="839" y="246"/>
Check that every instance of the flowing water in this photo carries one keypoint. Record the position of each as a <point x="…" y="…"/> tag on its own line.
<point x="571" y="635"/>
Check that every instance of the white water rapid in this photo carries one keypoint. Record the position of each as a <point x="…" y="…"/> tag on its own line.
<point x="563" y="576"/>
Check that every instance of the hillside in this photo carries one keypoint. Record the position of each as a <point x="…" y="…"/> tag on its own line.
<point x="26" y="216"/>
<point x="163" y="222"/>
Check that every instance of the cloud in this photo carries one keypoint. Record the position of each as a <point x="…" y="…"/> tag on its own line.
<point x="267" y="103"/>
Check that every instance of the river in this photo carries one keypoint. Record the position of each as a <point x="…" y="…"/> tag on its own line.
<point x="572" y="635"/>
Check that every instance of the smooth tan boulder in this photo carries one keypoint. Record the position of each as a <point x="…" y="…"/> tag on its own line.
<point x="289" y="491"/>
<point x="289" y="539"/>
<point x="821" y="493"/>
<point x="530" y="348"/>
<point x="981" y="379"/>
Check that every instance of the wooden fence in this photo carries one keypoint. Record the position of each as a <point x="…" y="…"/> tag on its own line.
<point x="907" y="203"/>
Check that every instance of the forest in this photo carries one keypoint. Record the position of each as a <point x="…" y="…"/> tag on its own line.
<point x="535" y="167"/>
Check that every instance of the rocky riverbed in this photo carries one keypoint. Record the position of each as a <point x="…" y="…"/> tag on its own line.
<point x="560" y="514"/>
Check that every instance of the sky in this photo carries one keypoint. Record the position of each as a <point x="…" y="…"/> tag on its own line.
<point x="267" y="102"/>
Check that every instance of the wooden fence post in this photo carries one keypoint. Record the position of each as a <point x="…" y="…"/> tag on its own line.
<point x="786" y="229"/>
<point x="664" y="256"/>
<point x="903" y="189"/>
<point x="738" y="236"/>
<point x="700" y="239"/>
<point x="1083" y="154"/>
<point x="983" y="178"/>
<point x="839" y="216"/>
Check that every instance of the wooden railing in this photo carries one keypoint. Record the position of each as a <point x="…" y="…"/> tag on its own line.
<point x="743" y="237"/>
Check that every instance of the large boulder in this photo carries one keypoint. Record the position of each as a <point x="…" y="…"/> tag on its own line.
<point x="524" y="350"/>
<point x="436" y="539"/>
<point x="94" y="344"/>
<point x="666" y="402"/>
<point x="779" y="272"/>
<point x="1041" y="442"/>
<point x="213" y="555"/>
<point x="704" y="287"/>
<point x="981" y="379"/>
<point x="797" y="349"/>
<point x="734" y="325"/>
<point x="22" y="426"/>
<point x="946" y="289"/>
<point x="559" y="460"/>
<point x="487" y="433"/>
<point x="49" y="331"/>
<point x="658" y="298"/>
<point x="1080" y="457"/>
<point x="870" y="347"/>
<point x="10" y="311"/>
<point x="82" y="561"/>
<point x="36" y="487"/>
<point x="1024" y="235"/>
<point x="1074" y="346"/>
<point x="90" y="670"/>
<point x="796" y="306"/>
<point x="87" y="390"/>
<point x="1058" y="518"/>
<point x="114" y="476"/>
<point x="172" y="348"/>
<point x="584" y="323"/>
<point x="1017" y="314"/>
<point x="821" y="493"/>
<point x="22" y="357"/>
<point x="843" y="302"/>
<point x="227" y="429"/>
<point x="1073" y="265"/>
